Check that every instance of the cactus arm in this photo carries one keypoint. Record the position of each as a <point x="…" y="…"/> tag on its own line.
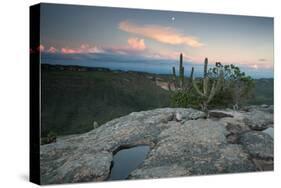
<point x="181" y="57"/>
<point x="212" y="92"/>
<point x="196" y="88"/>
<point x="205" y="85"/>
<point x="190" y="79"/>
<point x="220" y="81"/>
<point x="169" y="86"/>
<point x="180" y="68"/>
<point x="182" y="77"/>
<point x="191" y="74"/>
<point x="181" y="71"/>
<point x="205" y="67"/>
<point x="216" y="87"/>
<point x="179" y="80"/>
<point x="205" y="79"/>
<point x="174" y="77"/>
<point x="174" y="72"/>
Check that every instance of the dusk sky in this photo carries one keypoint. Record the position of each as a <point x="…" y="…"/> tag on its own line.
<point x="149" y="40"/>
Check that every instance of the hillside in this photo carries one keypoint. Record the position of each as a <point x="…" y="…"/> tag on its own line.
<point x="263" y="91"/>
<point x="74" y="97"/>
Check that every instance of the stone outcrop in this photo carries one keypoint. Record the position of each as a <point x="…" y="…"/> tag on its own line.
<point x="259" y="117"/>
<point x="182" y="142"/>
<point x="258" y="144"/>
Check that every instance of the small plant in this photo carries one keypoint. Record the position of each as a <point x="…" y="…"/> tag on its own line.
<point x="95" y="124"/>
<point x="51" y="137"/>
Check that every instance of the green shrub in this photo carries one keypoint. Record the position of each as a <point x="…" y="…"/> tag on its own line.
<point x="185" y="99"/>
<point x="51" y="137"/>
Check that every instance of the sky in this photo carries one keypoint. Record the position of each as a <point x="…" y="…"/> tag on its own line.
<point x="151" y="41"/>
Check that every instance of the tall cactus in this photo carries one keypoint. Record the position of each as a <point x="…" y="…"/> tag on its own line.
<point x="208" y="93"/>
<point x="179" y="83"/>
<point x="181" y="72"/>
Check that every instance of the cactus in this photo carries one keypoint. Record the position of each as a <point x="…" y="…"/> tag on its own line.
<point x="208" y="92"/>
<point x="181" y="72"/>
<point x="179" y="83"/>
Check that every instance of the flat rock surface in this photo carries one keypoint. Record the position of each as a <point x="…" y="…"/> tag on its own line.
<point x="189" y="145"/>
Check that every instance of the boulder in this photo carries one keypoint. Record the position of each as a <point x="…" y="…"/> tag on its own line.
<point x="264" y="108"/>
<point x="178" y="116"/>
<point x="258" y="120"/>
<point x="190" y="114"/>
<point x="258" y="144"/>
<point x="219" y="114"/>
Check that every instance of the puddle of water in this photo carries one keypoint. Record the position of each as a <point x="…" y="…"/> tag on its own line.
<point x="127" y="160"/>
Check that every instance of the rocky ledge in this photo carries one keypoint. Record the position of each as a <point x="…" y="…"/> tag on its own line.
<point x="182" y="142"/>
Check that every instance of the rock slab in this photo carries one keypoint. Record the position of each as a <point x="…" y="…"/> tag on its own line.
<point x="181" y="145"/>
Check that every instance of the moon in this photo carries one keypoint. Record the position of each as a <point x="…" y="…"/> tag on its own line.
<point x="173" y="18"/>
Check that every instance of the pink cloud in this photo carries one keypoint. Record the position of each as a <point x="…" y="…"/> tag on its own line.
<point x="84" y="48"/>
<point x="41" y="48"/>
<point x="172" y="55"/>
<point x="52" y="50"/>
<point x="162" y="34"/>
<point x="257" y="65"/>
<point x="136" y="43"/>
<point x="134" y="46"/>
<point x="68" y="51"/>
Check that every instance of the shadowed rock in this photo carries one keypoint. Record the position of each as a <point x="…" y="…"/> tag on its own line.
<point x="259" y="120"/>
<point x="260" y="147"/>
<point x="258" y="144"/>
<point x="219" y="114"/>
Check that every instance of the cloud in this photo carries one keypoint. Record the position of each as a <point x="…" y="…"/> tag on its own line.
<point x="136" y="43"/>
<point x="162" y="34"/>
<point x="69" y="51"/>
<point x="262" y="59"/>
<point x="52" y="50"/>
<point x="83" y="49"/>
<point x="41" y="48"/>
<point x="86" y="48"/>
<point x="135" y="46"/>
<point x="168" y="55"/>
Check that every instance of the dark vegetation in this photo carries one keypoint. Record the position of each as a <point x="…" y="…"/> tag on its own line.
<point x="77" y="99"/>
<point x="74" y="97"/>
<point x="221" y="86"/>
<point x="263" y="92"/>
